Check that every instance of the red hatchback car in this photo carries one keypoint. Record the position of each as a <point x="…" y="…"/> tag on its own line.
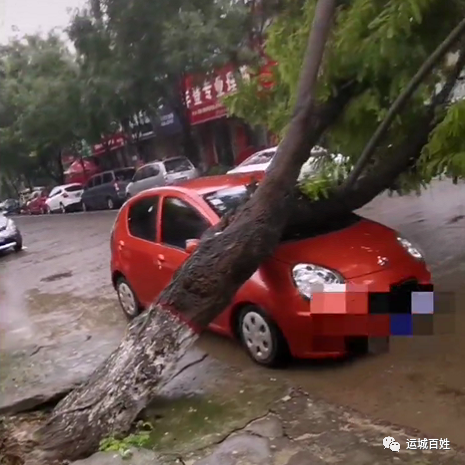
<point x="310" y="300"/>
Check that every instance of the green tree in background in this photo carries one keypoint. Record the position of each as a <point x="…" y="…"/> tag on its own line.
<point x="136" y="54"/>
<point x="42" y="99"/>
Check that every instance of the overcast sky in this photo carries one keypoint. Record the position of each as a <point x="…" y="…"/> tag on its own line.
<point x="31" y="16"/>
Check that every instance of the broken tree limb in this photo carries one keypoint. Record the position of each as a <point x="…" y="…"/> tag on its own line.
<point x="455" y="35"/>
<point x="342" y="200"/>
<point x="147" y="357"/>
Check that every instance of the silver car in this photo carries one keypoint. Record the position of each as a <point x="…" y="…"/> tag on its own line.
<point x="10" y="236"/>
<point x="161" y="173"/>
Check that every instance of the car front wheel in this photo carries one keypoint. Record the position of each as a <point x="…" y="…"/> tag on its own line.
<point x="127" y="299"/>
<point x="19" y="246"/>
<point x="262" y="338"/>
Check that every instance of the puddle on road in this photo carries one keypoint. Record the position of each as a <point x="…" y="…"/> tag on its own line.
<point x="36" y="318"/>
<point x="16" y="327"/>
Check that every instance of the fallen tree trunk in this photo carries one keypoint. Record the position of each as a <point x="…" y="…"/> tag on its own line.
<point x="146" y="359"/>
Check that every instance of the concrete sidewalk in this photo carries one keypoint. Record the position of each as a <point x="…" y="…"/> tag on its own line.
<point x="249" y="419"/>
<point x="297" y="431"/>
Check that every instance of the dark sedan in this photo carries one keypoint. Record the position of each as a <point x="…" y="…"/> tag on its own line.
<point x="10" y="236"/>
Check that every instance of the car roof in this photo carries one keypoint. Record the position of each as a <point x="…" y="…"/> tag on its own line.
<point x="210" y="184"/>
<point x="174" y="158"/>
<point x="62" y="186"/>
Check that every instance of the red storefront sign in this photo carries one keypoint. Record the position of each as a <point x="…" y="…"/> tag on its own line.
<point x="109" y="143"/>
<point x="203" y="97"/>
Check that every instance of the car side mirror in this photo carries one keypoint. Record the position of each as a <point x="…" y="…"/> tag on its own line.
<point x="191" y="245"/>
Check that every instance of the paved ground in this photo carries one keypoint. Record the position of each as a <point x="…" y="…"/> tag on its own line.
<point x="60" y="288"/>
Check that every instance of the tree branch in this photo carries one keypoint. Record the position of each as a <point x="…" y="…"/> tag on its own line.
<point x="402" y="100"/>
<point x="341" y="200"/>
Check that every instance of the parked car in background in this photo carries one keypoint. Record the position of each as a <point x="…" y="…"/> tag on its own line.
<point x="261" y="161"/>
<point x="160" y="173"/>
<point x="299" y="302"/>
<point x="10" y="207"/>
<point x="65" y="198"/>
<point x="37" y="204"/>
<point x="107" y="189"/>
<point x="10" y="236"/>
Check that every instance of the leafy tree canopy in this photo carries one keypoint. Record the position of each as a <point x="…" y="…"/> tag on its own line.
<point x="379" y="45"/>
<point x="42" y="98"/>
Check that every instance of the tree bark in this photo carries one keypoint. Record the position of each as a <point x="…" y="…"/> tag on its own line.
<point x="146" y="359"/>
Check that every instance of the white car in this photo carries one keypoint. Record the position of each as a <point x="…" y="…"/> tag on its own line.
<point x="65" y="198"/>
<point x="260" y="161"/>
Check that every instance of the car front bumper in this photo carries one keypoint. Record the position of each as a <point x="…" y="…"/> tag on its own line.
<point x="9" y="241"/>
<point x="324" y="327"/>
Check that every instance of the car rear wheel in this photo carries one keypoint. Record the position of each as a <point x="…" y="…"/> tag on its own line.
<point x="127" y="299"/>
<point x="110" y="203"/>
<point x="262" y="338"/>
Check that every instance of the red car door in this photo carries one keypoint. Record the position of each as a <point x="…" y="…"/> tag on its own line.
<point x="139" y="249"/>
<point x="180" y="220"/>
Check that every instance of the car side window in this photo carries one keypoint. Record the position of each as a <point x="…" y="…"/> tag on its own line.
<point x="181" y="222"/>
<point x="97" y="181"/>
<point x="140" y="174"/>
<point x="142" y="218"/>
<point x="152" y="171"/>
<point x="107" y="178"/>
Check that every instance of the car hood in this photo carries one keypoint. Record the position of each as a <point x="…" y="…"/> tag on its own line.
<point x="362" y="248"/>
<point x="249" y="168"/>
<point x="307" y="169"/>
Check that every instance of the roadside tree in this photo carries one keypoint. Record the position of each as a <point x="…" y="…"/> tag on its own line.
<point x="42" y="94"/>
<point x="144" y="50"/>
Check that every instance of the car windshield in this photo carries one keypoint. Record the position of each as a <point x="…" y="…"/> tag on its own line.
<point x="259" y="158"/>
<point x="73" y="188"/>
<point x="176" y="165"/>
<point x="125" y="175"/>
<point x="225" y="200"/>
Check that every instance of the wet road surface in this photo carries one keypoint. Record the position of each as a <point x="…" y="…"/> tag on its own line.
<point x="420" y="383"/>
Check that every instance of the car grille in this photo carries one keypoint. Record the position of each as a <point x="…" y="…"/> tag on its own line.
<point x="398" y="300"/>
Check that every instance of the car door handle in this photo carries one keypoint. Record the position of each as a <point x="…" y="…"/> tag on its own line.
<point x="161" y="258"/>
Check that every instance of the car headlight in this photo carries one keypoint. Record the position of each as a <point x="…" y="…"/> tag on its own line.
<point x="308" y="278"/>
<point x="10" y="226"/>
<point x="412" y="249"/>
